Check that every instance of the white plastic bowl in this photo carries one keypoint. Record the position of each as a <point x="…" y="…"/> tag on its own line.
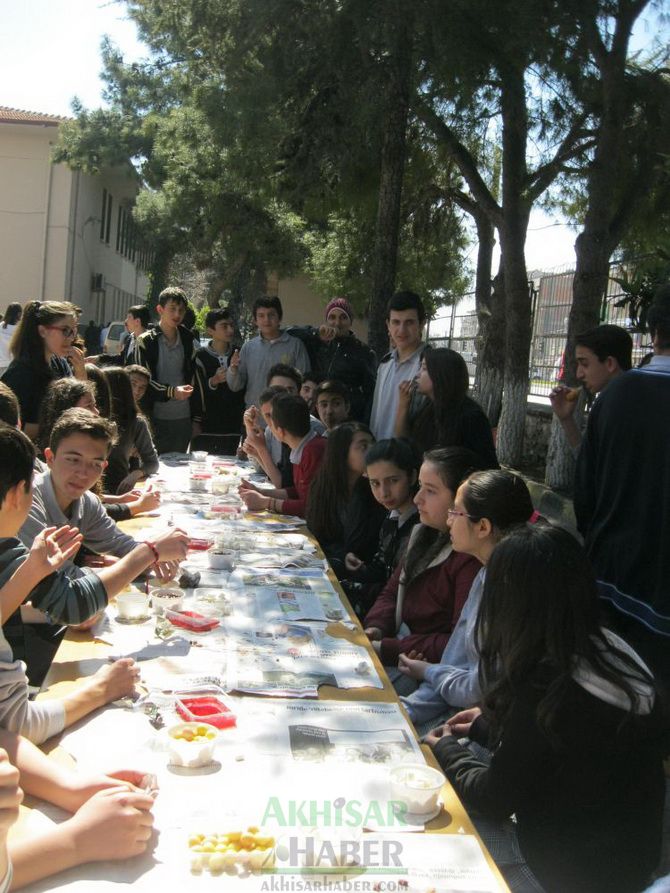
<point x="191" y="754"/>
<point x="164" y="598"/>
<point x="132" y="606"/>
<point x="417" y="786"/>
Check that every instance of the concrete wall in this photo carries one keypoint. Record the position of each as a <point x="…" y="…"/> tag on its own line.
<point x="50" y="229"/>
<point x="304" y="306"/>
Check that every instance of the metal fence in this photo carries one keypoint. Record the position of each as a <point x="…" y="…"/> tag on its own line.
<point x="551" y="296"/>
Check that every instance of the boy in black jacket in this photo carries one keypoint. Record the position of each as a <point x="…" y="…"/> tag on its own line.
<point x="217" y="408"/>
<point x="168" y="352"/>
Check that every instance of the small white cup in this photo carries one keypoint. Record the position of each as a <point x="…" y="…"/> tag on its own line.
<point x="417" y="786"/>
<point x="132" y="606"/>
<point x="221" y="559"/>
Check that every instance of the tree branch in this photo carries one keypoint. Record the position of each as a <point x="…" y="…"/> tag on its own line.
<point x="463" y="158"/>
<point x="572" y="145"/>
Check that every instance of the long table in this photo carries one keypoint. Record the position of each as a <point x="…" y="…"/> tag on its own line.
<point x="234" y="791"/>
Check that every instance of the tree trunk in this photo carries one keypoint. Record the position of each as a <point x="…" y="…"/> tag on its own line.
<point x="392" y="169"/>
<point x="517" y="343"/>
<point x="491" y="350"/>
<point x="163" y="255"/>
<point x="512" y="231"/>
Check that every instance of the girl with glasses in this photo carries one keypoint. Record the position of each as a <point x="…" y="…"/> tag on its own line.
<point x="487" y="506"/>
<point x="42" y="348"/>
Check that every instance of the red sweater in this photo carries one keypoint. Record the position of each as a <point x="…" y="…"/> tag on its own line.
<point x="303" y="473"/>
<point x="432" y="605"/>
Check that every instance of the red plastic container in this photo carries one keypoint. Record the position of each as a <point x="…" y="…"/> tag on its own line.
<point x="206" y="708"/>
<point x="190" y="620"/>
<point x="199" y="545"/>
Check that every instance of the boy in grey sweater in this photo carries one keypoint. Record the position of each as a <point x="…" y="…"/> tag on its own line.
<point x="38" y="575"/>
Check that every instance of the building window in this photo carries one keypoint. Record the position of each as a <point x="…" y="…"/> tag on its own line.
<point x="119" y="222"/>
<point x="108" y="225"/>
<point x="103" y="215"/>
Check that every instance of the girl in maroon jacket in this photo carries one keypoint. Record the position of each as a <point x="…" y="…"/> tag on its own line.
<point x="421" y="603"/>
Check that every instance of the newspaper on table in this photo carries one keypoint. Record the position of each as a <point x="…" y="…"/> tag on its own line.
<point x="293" y="660"/>
<point x="332" y="731"/>
<point x="299" y="594"/>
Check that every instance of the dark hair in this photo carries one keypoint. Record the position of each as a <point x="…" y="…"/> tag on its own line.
<point x="27" y="343"/>
<point x="18" y="456"/>
<point x="81" y="421"/>
<point x="453" y="465"/>
<point x="329" y="490"/>
<point x="658" y="317"/>
<point x="123" y="409"/>
<point x="311" y="375"/>
<point x="10" y="412"/>
<point x="285" y="371"/>
<point x="499" y="496"/>
<point x="62" y="394"/>
<point x="172" y="293"/>
<point x="406" y="300"/>
<point x="540" y="613"/>
<point x="12" y="315"/>
<point x="269" y="303"/>
<point x="189" y="316"/>
<point x="218" y="314"/>
<point x="268" y="395"/>
<point x="134" y="369"/>
<point x="332" y="386"/>
<point x="103" y="396"/>
<point x="608" y="341"/>
<point x="289" y="411"/>
<point x="449" y="374"/>
<point x="141" y="312"/>
<point x="398" y="450"/>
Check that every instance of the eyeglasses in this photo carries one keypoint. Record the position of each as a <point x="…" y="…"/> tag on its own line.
<point x="95" y="466"/>
<point x="67" y="331"/>
<point x="455" y="513"/>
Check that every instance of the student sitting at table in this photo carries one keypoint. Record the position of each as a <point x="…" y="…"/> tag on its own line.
<point x="110" y="814"/>
<point x="290" y="422"/>
<point x="134" y="437"/>
<point x="38" y="575"/>
<point x="76" y="457"/>
<point x="420" y="605"/>
<point x="392" y="468"/>
<point x="68" y="393"/>
<point x="487" y="506"/>
<point x="342" y="513"/>
<point x="578" y="730"/>
<point x="333" y="405"/>
<point x="271" y="454"/>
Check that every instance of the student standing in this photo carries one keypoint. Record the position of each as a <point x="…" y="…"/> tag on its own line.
<point x="43" y="350"/>
<point x="622" y="496"/>
<point x="7" y="329"/>
<point x="602" y="354"/>
<point x="168" y="352"/>
<point x="136" y="323"/>
<point x="336" y="353"/>
<point x="405" y="318"/>
<point x="448" y="417"/>
<point x="216" y="409"/>
<point x="248" y="368"/>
